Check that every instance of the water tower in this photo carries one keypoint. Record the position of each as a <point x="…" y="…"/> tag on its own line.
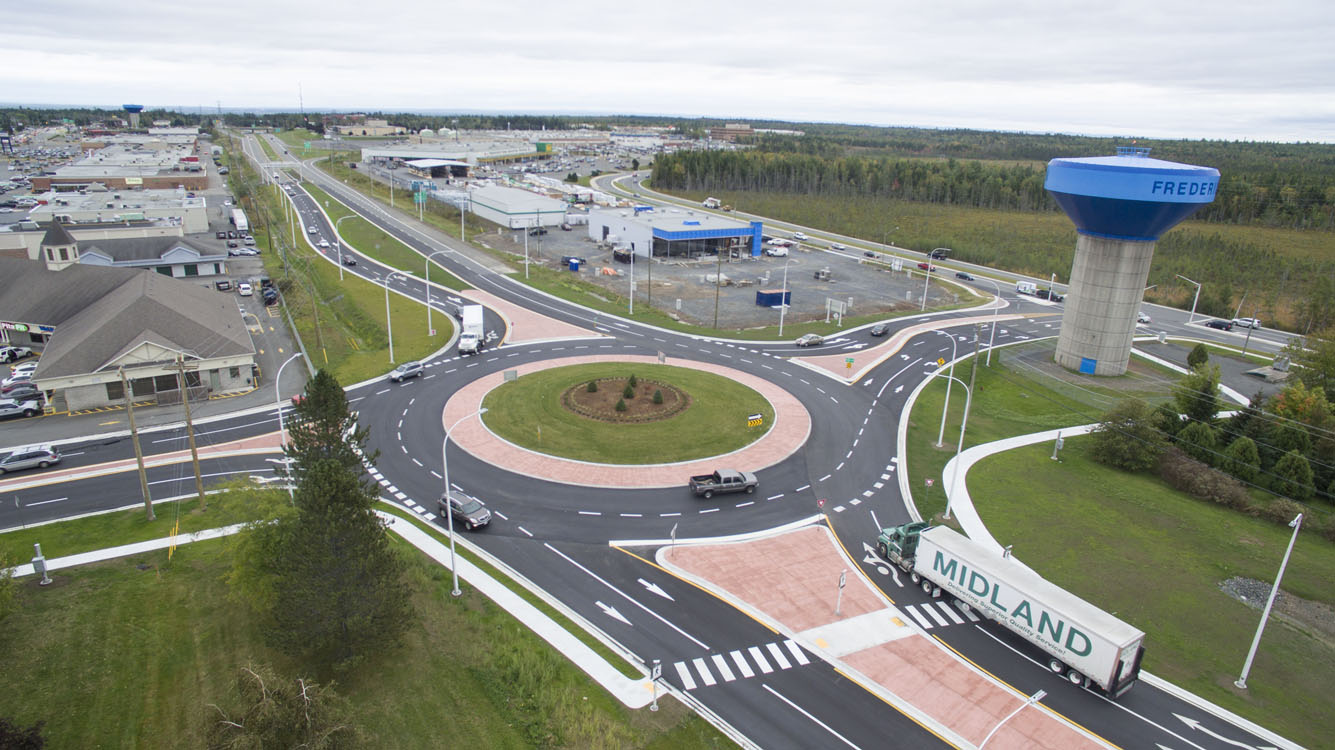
<point x="1120" y="205"/>
<point x="134" y="110"/>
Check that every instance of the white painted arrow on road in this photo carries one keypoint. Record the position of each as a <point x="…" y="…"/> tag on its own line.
<point x="1194" y="724"/>
<point x="899" y="388"/>
<point x="867" y="382"/>
<point x="874" y="559"/>
<point x="612" y="611"/>
<point x="655" y="589"/>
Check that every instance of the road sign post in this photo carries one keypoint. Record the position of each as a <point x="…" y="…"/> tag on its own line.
<point x="839" y="598"/>
<point x="820" y="504"/>
<point x="653" y="680"/>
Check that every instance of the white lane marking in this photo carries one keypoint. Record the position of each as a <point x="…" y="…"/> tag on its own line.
<point x="803" y="487"/>
<point x="502" y="515"/>
<point x="950" y="612"/>
<point x="775" y="497"/>
<point x="913" y="612"/>
<point x="742" y="666"/>
<point x="631" y="515"/>
<point x="841" y="463"/>
<point x="590" y="513"/>
<point x="796" y="651"/>
<point x="968" y="613"/>
<point x="709" y="510"/>
<point x="930" y="610"/>
<point x="44" y="502"/>
<point x="778" y="655"/>
<point x="743" y="505"/>
<point x="867" y="493"/>
<point x="703" y="669"/>
<point x="877" y="485"/>
<point x="759" y="659"/>
<point x="722" y="666"/>
<point x="405" y="499"/>
<point x="839" y="509"/>
<point x="822" y="479"/>
<point x="687" y="681"/>
<point x="419" y="463"/>
<point x="526" y="531"/>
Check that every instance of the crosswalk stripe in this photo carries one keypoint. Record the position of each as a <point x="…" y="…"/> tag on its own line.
<point x="722" y="667"/>
<point x="922" y="621"/>
<point x="687" y="681"/>
<point x="950" y="611"/>
<point x="703" y="669"/>
<point x="935" y="616"/>
<point x="740" y="661"/>
<point x="796" y="651"/>
<point x="778" y="655"/>
<point x="759" y="659"/>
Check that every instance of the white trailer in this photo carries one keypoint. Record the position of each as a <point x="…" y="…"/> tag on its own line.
<point x="1084" y="643"/>
<point x="239" y="220"/>
<point x="472" y="337"/>
<point x="1025" y="287"/>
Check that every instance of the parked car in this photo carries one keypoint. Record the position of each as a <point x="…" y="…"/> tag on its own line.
<point x="964" y="275"/>
<point x="535" y="231"/>
<point x="33" y="457"/>
<point x="810" y="339"/>
<point x="249" y="240"/>
<point x="880" y="329"/>
<point x="23" y="367"/>
<point x="17" y="377"/>
<point x="231" y="234"/>
<point x="221" y="235"/>
<point x="468" y="511"/>
<point x="223" y="285"/>
<point x="1222" y="325"/>
<point x="1141" y="317"/>
<point x="26" y="392"/>
<point x="12" y="407"/>
<point x="248" y="252"/>
<point x="14" y="353"/>
<point x="405" y="371"/>
<point x="1247" y="323"/>
<point x="244" y="289"/>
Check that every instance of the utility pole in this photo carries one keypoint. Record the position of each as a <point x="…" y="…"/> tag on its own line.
<point x="138" y="452"/>
<point x="190" y="431"/>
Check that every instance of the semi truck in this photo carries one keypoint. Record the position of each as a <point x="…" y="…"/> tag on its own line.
<point x="472" y="337"/>
<point x="1084" y="644"/>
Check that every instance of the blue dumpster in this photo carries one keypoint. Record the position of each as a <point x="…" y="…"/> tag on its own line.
<point x="574" y="264"/>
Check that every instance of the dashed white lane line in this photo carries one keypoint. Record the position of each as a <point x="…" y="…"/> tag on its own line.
<point x="632" y="515"/>
<point x="709" y="510"/>
<point x="748" y="502"/>
<point x="526" y="531"/>
<point x="840" y="466"/>
<point x="502" y="515"/>
<point x="822" y="479"/>
<point x="806" y="486"/>
<point x="419" y="463"/>
<point x="590" y="513"/>
<point x="668" y="515"/>
<point x="382" y="391"/>
<point x="775" y="497"/>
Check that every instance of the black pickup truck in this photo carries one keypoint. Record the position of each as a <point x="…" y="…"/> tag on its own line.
<point x="724" y="480"/>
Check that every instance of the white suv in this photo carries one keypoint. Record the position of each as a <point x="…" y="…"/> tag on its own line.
<point x="1247" y="323"/>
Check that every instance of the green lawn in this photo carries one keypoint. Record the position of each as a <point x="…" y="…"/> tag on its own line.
<point x="528" y="412"/>
<point x="128" y="653"/>
<point x="1133" y="546"/>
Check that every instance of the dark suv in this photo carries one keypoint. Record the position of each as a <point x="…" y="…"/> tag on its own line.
<point x="1223" y="325"/>
<point x="466" y="510"/>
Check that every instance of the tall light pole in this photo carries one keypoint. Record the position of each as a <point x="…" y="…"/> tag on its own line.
<point x="926" y="282"/>
<point x="995" y="310"/>
<point x="282" y="433"/>
<point x="1031" y="700"/>
<point x="941" y="434"/>
<point x="338" y="240"/>
<point x="1297" y="524"/>
<point x="449" y="510"/>
<point x="968" y="401"/>
<point x="426" y="273"/>
<point x="783" y="297"/>
<point x="389" y="323"/>
<point x="1192" y="315"/>
<point x="632" y="281"/>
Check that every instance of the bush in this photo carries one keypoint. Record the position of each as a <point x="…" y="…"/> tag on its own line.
<point x="633" y="382"/>
<point x="592" y="386"/>
<point x="1188" y="475"/>
<point x="658" y="396"/>
<point x="621" y="404"/>
<point x="628" y="391"/>
<point x="1293" y="476"/>
<point x="1242" y="460"/>
<point x="1198" y="440"/>
<point x="1282" y="510"/>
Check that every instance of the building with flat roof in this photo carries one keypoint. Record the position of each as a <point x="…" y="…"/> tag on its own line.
<point x="515" y="209"/>
<point x="674" y="232"/>
<point x="731" y="132"/>
<point x="128" y="161"/>
<point x="95" y="206"/>
<point x="473" y="152"/>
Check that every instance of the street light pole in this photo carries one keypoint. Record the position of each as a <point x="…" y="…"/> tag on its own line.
<point x="338" y="240"/>
<point x="926" y="282"/>
<point x="941" y="434"/>
<point x="1194" y="300"/>
<point x="426" y="273"/>
<point x="449" y="509"/>
<point x="783" y="297"/>
<point x="968" y="401"/>
<point x="1297" y="524"/>
<point x="389" y="323"/>
<point x="1031" y="700"/>
<point x="282" y="432"/>
<point x="995" y="310"/>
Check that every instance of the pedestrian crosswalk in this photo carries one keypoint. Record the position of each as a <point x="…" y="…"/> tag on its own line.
<point x="715" y="668"/>
<point x="938" y="614"/>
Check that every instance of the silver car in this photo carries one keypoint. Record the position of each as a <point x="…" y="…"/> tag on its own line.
<point x="468" y="511"/>
<point x="34" y="457"/>
<point x="14" y="408"/>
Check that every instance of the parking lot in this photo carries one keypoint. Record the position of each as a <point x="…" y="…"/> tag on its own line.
<point x="680" y="286"/>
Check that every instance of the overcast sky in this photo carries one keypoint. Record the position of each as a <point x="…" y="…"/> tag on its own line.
<point x="1166" y="68"/>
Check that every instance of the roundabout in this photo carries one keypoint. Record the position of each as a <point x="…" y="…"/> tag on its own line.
<point x="787" y="432"/>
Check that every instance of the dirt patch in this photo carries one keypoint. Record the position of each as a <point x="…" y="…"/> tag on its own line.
<point x="1315" y="618"/>
<point x="640" y="407"/>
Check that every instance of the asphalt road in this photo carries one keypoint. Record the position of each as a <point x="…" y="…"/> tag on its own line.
<point x="557" y="535"/>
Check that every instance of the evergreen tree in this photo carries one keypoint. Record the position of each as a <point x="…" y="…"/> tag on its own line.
<point x="1196" y="395"/>
<point x="1293" y="476"/>
<point x="1242" y="460"/>
<point x="322" y="427"/>
<point x="1198" y="441"/>
<point x="1198" y="356"/>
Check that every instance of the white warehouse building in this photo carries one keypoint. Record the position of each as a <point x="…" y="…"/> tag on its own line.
<point x="516" y="209"/>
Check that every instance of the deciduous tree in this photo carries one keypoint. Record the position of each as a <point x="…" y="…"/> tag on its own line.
<point x="1127" y="437"/>
<point x="268" y="711"/>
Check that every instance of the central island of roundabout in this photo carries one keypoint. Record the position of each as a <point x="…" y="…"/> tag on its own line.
<point x="683" y="435"/>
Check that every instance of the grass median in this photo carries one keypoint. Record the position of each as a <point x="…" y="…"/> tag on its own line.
<point x="1133" y="546"/>
<point x="529" y="412"/>
<point x="130" y="652"/>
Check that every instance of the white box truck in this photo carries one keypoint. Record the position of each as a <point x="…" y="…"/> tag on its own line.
<point x="472" y="337"/>
<point x="1086" y="645"/>
<point x="1025" y="287"/>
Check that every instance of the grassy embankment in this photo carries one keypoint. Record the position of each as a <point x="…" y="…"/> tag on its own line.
<point x="528" y="412"/>
<point x="1039" y="244"/>
<point x="1139" y="549"/>
<point x="129" y="653"/>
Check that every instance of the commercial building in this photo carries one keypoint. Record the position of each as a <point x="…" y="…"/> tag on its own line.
<point x="97" y="204"/>
<point x="131" y="161"/>
<point x="674" y="232"/>
<point x="731" y="132"/>
<point x="472" y="152"/>
<point x="516" y="209"/>
<point x="360" y="124"/>
<point x="91" y="323"/>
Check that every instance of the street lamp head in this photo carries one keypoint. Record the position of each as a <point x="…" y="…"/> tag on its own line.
<point x="483" y="410"/>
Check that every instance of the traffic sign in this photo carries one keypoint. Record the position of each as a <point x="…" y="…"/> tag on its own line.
<point x="929" y="481"/>
<point x="755" y="420"/>
<point x="940" y="360"/>
<point x="820" y="503"/>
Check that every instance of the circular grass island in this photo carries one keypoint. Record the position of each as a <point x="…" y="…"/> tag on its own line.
<point x="671" y="414"/>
